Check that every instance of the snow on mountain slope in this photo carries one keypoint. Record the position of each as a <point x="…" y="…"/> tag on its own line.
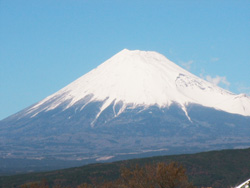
<point x="144" y="78"/>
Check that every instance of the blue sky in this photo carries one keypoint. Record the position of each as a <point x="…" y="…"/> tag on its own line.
<point x="45" y="45"/>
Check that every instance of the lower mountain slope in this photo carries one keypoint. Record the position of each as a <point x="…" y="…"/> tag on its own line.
<point x="67" y="134"/>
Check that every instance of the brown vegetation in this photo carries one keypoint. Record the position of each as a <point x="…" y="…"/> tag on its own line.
<point x="161" y="175"/>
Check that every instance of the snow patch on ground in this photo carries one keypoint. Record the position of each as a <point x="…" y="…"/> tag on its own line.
<point x="104" y="158"/>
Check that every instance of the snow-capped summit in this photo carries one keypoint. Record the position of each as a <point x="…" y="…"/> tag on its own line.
<point x="144" y="78"/>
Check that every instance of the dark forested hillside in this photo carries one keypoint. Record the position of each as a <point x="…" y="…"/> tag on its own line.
<point x="215" y="169"/>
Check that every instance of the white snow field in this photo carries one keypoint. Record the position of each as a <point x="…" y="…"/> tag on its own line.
<point x="144" y="78"/>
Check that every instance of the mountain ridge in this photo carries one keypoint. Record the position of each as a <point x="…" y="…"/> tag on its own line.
<point x="82" y="122"/>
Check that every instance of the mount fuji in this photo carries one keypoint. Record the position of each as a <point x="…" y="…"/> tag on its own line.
<point x="137" y="103"/>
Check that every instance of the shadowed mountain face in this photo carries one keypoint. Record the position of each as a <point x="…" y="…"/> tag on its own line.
<point x="134" y="104"/>
<point x="71" y="134"/>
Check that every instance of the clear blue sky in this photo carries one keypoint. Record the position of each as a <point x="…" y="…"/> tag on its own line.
<point x="45" y="45"/>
